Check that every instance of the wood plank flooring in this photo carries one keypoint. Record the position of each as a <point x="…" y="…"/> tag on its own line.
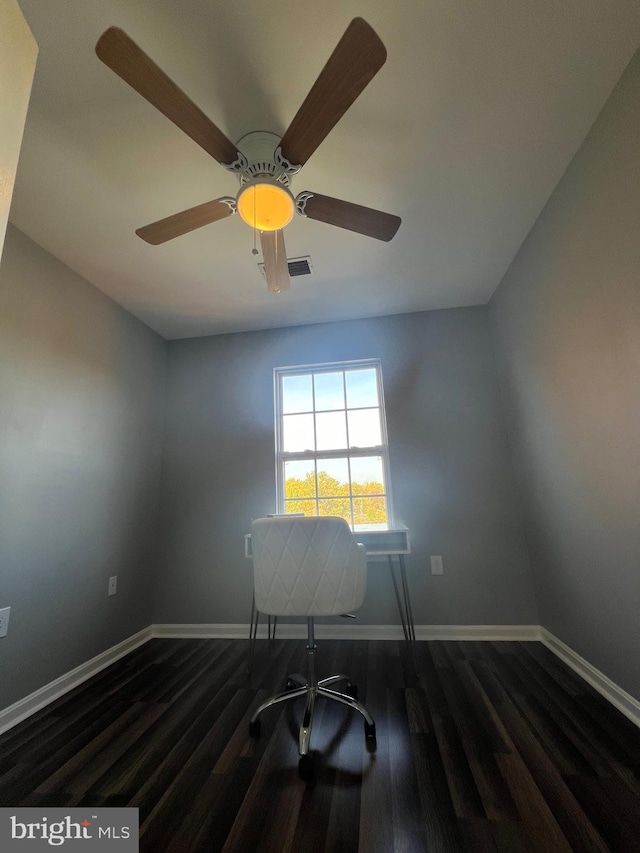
<point x="498" y="747"/>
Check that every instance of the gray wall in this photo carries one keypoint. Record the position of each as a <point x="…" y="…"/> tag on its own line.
<point x="451" y="472"/>
<point x="81" y="413"/>
<point x="567" y="323"/>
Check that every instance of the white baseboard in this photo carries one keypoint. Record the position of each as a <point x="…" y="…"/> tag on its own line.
<point x="352" y="631"/>
<point x="478" y="632"/>
<point x="24" y="708"/>
<point x="622" y="700"/>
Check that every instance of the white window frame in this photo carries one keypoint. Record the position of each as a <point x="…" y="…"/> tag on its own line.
<point x="381" y="450"/>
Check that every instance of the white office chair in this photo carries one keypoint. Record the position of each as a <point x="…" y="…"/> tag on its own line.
<point x="308" y="567"/>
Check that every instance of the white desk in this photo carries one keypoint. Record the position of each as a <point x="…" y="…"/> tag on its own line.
<point x="391" y="543"/>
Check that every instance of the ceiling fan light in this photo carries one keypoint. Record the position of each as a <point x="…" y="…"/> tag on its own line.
<point x="265" y="204"/>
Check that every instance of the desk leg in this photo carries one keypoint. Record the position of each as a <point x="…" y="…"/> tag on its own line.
<point x="271" y="629"/>
<point x="253" y="630"/>
<point x="409" y="612"/>
<point x="406" y="613"/>
<point x="400" y="608"/>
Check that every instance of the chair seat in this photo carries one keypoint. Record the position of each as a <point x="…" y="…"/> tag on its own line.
<point x="307" y="566"/>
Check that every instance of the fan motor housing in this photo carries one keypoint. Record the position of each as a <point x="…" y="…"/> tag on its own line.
<point x="262" y="150"/>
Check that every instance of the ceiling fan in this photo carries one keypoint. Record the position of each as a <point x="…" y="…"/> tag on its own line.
<point x="263" y="163"/>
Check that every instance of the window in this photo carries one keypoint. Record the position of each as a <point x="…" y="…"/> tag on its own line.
<point x="331" y="443"/>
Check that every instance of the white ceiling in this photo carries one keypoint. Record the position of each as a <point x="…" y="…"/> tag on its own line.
<point x="464" y="133"/>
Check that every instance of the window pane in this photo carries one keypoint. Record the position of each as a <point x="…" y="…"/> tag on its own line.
<point x="307" y="507"/>
<point x="296" y="394"/>
<point x="297" y="432"/>
<point x="329" y="391"/>
<point x="333" y="477"/>
<point x="331" y="431"/>
<point x="362" y="388"/>
<point x="364" y="428"/>
<point x="369" y="512"/>
<point x="338" y="506"/>
<point x="299" y="479"/>
<point x="366" y="475"/>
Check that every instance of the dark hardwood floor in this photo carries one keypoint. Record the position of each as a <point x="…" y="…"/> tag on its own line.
<point x="498" y="747"/>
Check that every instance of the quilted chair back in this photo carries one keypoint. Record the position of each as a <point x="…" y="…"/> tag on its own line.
<point x="309" y="566"/>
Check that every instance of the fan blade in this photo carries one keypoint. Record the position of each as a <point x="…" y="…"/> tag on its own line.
<point x="274" y="254"/>
<point x="129" y="62"/>
<point x="353" y="217"/>
<point x="185" y="221"/>
<point x="357" y="58"/>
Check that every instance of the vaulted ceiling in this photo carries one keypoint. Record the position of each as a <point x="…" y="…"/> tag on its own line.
<point x="464" y="133"/>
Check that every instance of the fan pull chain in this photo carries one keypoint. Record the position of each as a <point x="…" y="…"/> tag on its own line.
<point x="277" y="265"/>
<point x="254" y="251"/>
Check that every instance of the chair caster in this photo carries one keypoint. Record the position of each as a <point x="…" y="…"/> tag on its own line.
<point x="254" y="728"/>
<point x="370" y="730"/>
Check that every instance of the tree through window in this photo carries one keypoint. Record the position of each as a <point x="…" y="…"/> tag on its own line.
<point x="331" y="445"/>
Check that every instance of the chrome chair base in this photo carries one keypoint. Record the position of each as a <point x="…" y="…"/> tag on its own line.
<point x="312" y="688"/>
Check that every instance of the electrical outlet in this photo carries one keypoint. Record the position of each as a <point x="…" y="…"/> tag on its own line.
<point x="113" y="585"/>
<point x="4" y="621"/>
<point x="436" y="566"/>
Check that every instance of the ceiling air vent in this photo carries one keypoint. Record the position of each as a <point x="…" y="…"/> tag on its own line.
<point x="297" y="266"/>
